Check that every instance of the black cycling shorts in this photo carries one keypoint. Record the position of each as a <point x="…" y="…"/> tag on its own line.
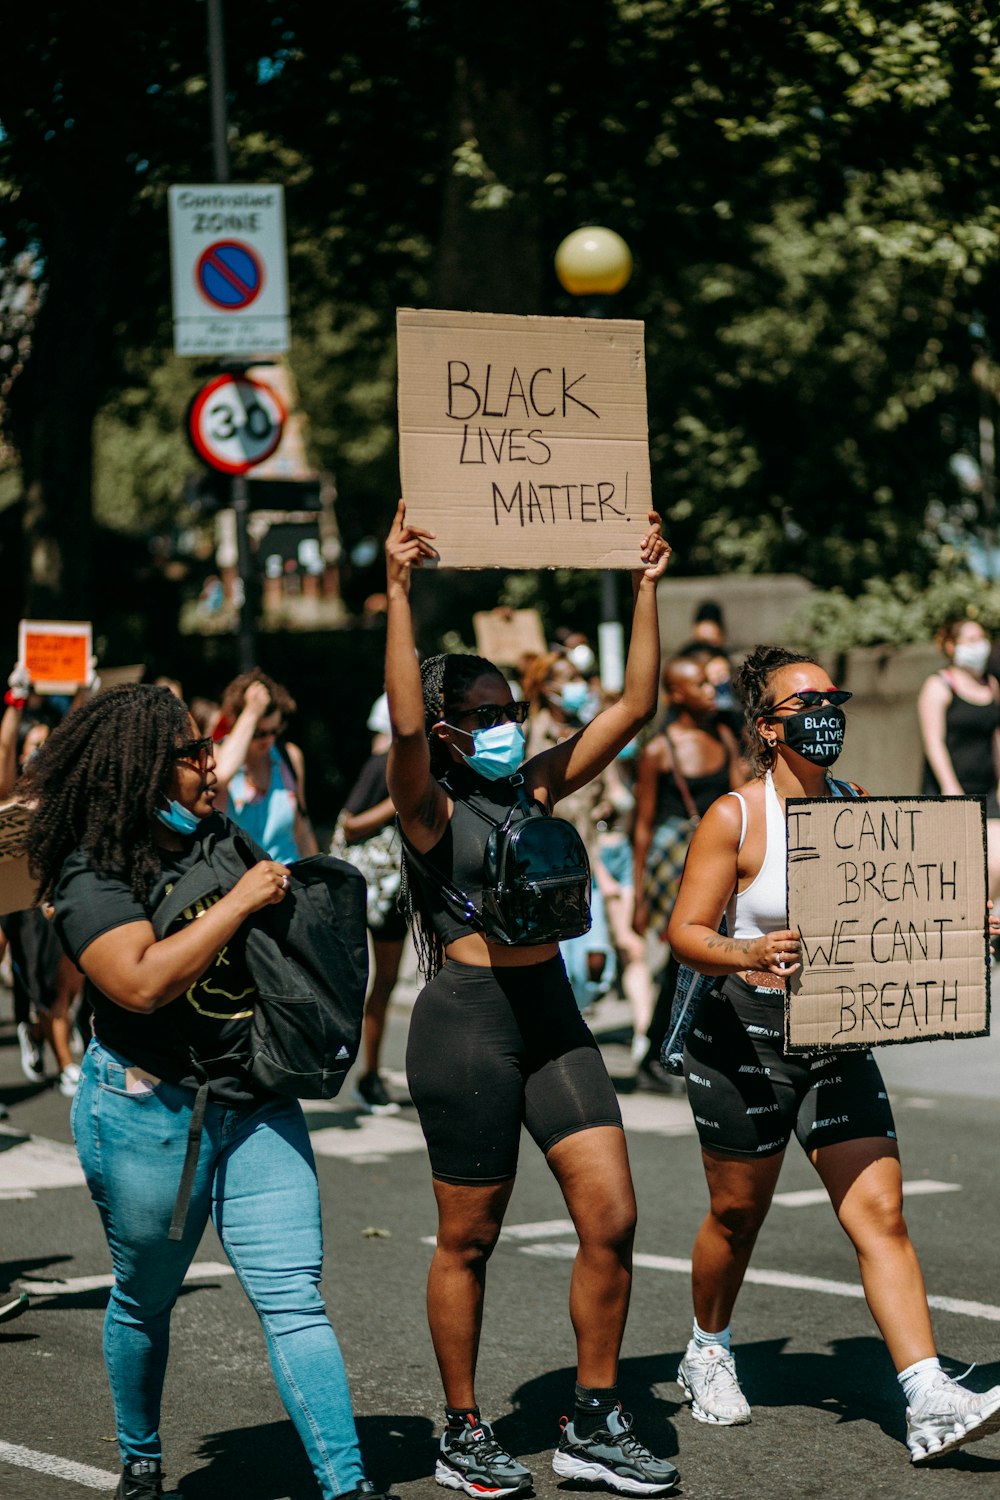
<point x="748" y="1095"/>
<point x="492" y="1049"/>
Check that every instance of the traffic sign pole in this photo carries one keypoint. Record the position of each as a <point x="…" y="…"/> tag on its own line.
<point x="239" y="494"/>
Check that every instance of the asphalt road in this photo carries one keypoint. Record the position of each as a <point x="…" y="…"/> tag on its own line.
<point x="828" y="1416"/>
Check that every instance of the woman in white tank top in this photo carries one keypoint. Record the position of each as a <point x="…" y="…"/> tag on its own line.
<point x="746" y="1111"/>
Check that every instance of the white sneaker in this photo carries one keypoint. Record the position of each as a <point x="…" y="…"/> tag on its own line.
<point x="32" y="1065"/>
<point x="708" y="1375"/>
<point x="948" y="1416"/>
<point x="69" y="1080"/>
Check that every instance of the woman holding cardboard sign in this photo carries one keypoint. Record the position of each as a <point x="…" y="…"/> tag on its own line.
<point x="748" y="1094"/>
<point x="496" y="1037"/>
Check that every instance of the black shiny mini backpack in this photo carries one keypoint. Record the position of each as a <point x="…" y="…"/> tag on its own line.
<point x="536" y="877"/>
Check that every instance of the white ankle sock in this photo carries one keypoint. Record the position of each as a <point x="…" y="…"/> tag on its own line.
<point x="703" y="1339"/>
<point x="918" y="1379"/>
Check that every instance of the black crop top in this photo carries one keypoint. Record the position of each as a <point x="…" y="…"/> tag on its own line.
<point x="459" y="852"/>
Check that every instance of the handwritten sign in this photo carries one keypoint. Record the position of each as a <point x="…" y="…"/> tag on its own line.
<point x="17" y="888"/>
<point x="524" y="441"/>
<point x="889" y="896"/>
<point x="56" y="654"/>
<point x="507" y="636"/>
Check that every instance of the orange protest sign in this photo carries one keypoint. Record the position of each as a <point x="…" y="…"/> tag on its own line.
<point x="56" y="654"/>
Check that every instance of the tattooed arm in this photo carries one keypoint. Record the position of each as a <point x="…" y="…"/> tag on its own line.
<point x="710" y="878"/>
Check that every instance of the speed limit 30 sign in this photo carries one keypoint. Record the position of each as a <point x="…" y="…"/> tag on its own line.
<point x="235" y="422"/>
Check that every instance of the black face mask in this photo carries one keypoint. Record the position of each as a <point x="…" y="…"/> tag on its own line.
<point x="817" y="734"/>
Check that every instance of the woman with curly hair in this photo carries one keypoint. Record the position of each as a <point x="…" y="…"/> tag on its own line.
<point x="496" y="1038"/>
<point x="748" y="1094"/>
<point x="121" y="792"/>
<point x="261" y="775"/>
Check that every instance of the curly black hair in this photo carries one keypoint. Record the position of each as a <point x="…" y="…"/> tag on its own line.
<point x="752" y="686"/>
<point x="444" y="679"/>
<point x="98" y="781"/>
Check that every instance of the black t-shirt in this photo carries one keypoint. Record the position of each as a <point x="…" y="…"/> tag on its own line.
<point x="210" y="1022"/>
<point x="371" y="787"/>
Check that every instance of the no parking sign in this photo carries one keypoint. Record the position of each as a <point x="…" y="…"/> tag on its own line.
<point x="227" y="256"/>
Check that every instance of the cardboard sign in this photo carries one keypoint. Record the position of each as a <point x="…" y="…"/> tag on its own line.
<point x="889" y="896"/>
<point x="17" y="888"/>
<point x="505" y="636"/>
<point x="56" y="654"/>
<point x="523" y="441"/>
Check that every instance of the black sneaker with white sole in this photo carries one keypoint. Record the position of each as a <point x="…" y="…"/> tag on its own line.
<point x="614" y="1457"/>
<point x="142" y="1479"/>
<point x="371" y="1095"/>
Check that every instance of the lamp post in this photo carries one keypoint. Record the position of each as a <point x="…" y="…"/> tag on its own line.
<point x="594" y="263"/>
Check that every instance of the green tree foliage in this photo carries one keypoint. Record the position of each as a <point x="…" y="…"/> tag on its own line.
<point x="808" y="190"/>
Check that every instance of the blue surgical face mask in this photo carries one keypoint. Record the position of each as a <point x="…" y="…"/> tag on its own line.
<point x="177" y="818"/>
<point x="497" y="752"/>
<point x="573" y="696"/>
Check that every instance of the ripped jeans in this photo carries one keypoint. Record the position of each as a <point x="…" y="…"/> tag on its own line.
<point x="257" y="1178"/>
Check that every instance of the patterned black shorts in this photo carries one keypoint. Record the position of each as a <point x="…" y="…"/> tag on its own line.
<point x="748" y="1095"/>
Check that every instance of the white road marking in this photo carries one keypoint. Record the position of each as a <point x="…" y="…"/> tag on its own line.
<point x="921" y="1187"/>
<point x="536" y="1231"/>
<point x="786" y="1279"/>
<point x="58" y="1468"/>
<point x="204" y="1270"/>
<point x="370" y="1137"/>
<point x="35" y="1164"/>
<point x="656" y="1114"/>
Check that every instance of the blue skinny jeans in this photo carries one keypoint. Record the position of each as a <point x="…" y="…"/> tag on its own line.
<point x="256" y="1176"/>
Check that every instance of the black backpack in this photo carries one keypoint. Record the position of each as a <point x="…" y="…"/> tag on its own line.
<point x="536" y="877"/>
<point x="308" y="958"/>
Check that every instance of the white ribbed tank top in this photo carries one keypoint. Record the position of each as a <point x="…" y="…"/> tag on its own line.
<point x="762" y="906"/>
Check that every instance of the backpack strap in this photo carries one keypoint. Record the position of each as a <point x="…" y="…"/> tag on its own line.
<point x="842" y="788"/>
<point x="194" y="885"/>
<point x="462" y="905"/>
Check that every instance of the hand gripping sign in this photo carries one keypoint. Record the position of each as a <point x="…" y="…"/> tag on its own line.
<point x="524" y="441"/>
<point x="889" y="897"/>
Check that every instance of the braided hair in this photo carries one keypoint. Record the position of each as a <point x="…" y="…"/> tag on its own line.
<point x="444" y="680"/>
<point x="98" y="781"/>
<point x="752" y="686"/>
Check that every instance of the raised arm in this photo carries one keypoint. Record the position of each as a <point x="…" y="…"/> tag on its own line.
<point x="575" y="761"/>
<point x="932" y="705"/>
<point x="19" y="685"/>
<point x="235" y="748"/>
<point x="710" y="878"/>
<point x="419" y="801"/>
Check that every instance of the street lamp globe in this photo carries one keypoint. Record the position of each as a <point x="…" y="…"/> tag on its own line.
<point x="593" y="262"/>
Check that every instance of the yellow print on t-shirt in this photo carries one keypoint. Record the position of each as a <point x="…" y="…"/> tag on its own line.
<point x="210" y="989"/>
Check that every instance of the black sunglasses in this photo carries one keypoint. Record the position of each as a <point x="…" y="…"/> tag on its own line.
<point x="200" y="751"/>
<point x="488" y="715"/>
<point x="812" y="698"/>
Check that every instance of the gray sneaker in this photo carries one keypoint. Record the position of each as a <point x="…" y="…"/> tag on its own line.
<point x="612" y="1455"/>
<point x="472" y="1460"/>
<point x="948" y="1416"/>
